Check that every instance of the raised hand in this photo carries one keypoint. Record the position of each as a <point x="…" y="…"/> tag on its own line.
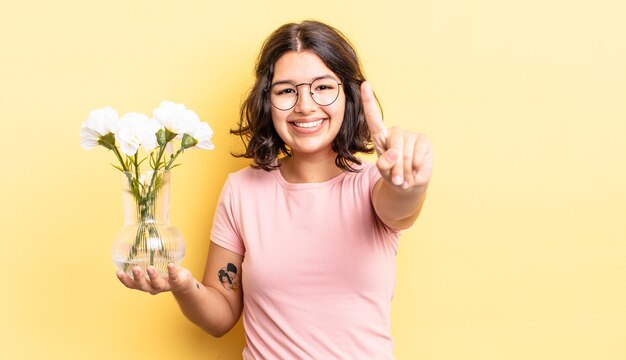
<point x="405" y="159"/>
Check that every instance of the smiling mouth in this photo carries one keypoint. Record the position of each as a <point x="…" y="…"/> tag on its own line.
<point x="307" y="125"/>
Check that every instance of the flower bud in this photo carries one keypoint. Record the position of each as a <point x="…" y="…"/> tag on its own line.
<point x="169" y="136"/>
<point x="160" y="136"/>
<point x="188" y="141"/>
<point x="108" y="141"/>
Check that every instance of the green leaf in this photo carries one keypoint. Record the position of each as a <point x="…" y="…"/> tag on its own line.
<point x="117" y="167"/>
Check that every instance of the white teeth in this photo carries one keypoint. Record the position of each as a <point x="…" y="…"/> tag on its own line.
<point x="311" y="124"/>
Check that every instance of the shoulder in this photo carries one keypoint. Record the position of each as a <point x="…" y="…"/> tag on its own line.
<point x="250" y="172"/>
<point x="366" y="168"/>
<point x="367" y="174"/>
<point x="250" y="178"/>
<point x="244" y="185"/>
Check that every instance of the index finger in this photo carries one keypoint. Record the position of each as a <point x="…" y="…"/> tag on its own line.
<point x="374" y="118"/>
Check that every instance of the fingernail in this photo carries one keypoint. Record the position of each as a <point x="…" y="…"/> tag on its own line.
<point x="405" y="185"/>
<point x="397" y="180"/>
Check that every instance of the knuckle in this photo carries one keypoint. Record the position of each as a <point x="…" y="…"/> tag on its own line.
<point x="397" y="170"/>
<point x="157" y="287"/>
<point x="409" y="137"/>
<point x="408" y="169"/>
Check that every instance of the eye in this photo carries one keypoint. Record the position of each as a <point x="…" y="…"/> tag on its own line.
<point x="286" y="91"/>
<point x="324" y="85"/>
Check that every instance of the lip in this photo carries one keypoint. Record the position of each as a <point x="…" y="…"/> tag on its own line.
<point x="307" y="130"/>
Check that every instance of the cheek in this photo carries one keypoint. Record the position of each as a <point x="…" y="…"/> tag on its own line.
<point x="339" y="110"/>
<point x="277" y="118"/>
<point x="341" y="103"/>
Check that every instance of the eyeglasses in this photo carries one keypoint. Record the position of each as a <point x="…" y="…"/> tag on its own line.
<point x="284" y="95"/>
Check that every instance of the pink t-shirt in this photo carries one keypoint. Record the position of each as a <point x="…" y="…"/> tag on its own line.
<point x="319" y="266"/>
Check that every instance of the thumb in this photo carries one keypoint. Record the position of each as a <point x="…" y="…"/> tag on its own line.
<point x="172" y="273"/>
<point x="180" y="279"/>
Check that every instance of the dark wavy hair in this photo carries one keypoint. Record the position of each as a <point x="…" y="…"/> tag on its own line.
<point x="255" y="127"/>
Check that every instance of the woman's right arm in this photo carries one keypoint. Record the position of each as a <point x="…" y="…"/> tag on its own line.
<point x="215" y="305"/>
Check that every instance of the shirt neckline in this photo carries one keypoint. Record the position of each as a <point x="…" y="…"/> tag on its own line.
<point x="312" y="185"/>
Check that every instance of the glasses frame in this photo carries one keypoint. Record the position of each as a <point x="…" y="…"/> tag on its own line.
<point x="268" y="90"/>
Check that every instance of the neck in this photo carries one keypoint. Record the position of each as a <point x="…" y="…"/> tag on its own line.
<point x="309" y="169"/>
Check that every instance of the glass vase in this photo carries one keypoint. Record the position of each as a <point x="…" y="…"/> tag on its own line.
<point x="147" y="237"/>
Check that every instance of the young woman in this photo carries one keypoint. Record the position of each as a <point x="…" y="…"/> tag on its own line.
<point x="309" y="231"/>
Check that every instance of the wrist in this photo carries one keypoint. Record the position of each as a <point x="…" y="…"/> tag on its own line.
<point x="187" y="289"/>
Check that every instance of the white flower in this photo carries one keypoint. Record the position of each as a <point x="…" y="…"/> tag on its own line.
<point x="176" y="117"/>
<point x="150" y="141"/>
<point x="156" y="135"/>
<point x="135" y="130"/>
<point x="203" y="134"/>
<point x="99" y="123"/>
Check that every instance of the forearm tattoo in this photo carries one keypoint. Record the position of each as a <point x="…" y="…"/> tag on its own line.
<point x="229" y="277"/>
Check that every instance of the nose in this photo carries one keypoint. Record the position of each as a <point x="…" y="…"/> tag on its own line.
<point x="304" y="102"/>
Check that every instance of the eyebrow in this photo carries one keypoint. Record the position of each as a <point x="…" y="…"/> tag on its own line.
<point x="326" y="76"/>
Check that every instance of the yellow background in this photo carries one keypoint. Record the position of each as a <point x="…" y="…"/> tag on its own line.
<point x="520" y="252"/>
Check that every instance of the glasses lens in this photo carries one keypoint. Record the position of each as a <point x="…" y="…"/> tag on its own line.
<point x="325" y="91"/>
<point x="283" y="95"/>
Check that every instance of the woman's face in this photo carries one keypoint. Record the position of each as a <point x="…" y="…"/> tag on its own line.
<point x="307" y="128"/>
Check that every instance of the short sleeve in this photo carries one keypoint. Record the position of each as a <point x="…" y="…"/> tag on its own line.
<point x="225" y="231"/>
<point x="373" y="175"/>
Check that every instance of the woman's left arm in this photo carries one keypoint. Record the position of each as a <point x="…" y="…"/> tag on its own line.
<point x="405" y="161"/>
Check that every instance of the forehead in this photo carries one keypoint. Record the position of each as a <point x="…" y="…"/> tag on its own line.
<point x="300" y="66"/>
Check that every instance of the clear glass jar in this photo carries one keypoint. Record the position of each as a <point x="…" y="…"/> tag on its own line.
<point x="147" y="237"/>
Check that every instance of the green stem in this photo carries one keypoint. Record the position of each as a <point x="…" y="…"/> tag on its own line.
<point x="147" y="229"/>
<point x="136" y="162"/>
<point x="146" y="206"/>
<point x="119" y="157"/>
<point x="154" y="173"/>
<point x="169" y="165"/>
